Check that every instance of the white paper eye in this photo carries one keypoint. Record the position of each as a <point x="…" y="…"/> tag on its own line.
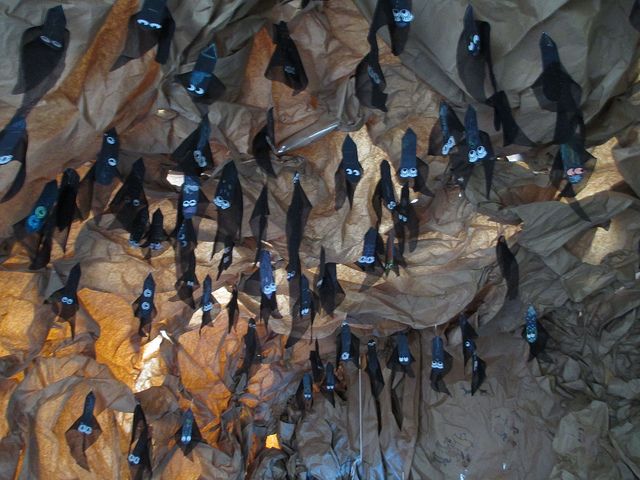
<point x="349" y="171"/>
<point x="344" y="356"/>
<point x="5" y="159"/>
<point x="67" y="300"/>
<point x="391" y="205"/>
<point x="403" y="218"/>
<point x="112" y="162"/>
<point x="185" y="438"/>
<point x="291" y="274"/>
<point x="145" y="306"/>
<point x="481" y="151"/>
<point x="471" y="47"/>
<point x="157" y="26"/>
<point x="404" y="172"/>
<point x="134" y="459"/>
<point x="191" y="87"/>
<point x="370" y="260"/>
<point x="373" y="75"/>
<point x="45" y="39"/>
<point x="362" y="259"/>
<point x="304" y="311"/>
<point x="473" y="156"/>
<point x="56" y="44"/>
<point x="199" y="91"/>
<point x="143" y="22"/>
<point x="476" y="39"/>
<point x="356" y="172"/>
<point x="413" y="172"/>
<point x="136" y="202"/>
<point x="467" y="344"/>
<point x="111" y="140"/>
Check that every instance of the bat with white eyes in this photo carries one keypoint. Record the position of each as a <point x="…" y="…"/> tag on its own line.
<point x="207" y="302"/>
<point x="447" y="133"/>
<point x="258" y="221"/>
<point x="42" y="53"/>
<point x="286" y="65"/>
<point x="188" y="435"/>
<point x="156" y="236"/>
<point x="469" y="351"/>
<point x="401" y="358"/>
<point x="228" y="199"/>
<point x="329" y="386"/>
<point x="139" y="457"/>
<point x="372" y="249"/>
<point x="405" y="223"/>
<point x="13" y="147"/>
<point x="144" y="307"/>
<point x="413" y="169"/>
<point x="297" y="216"/>
<point x="479" y="148"/>
<point x="152" y="25"/>
<point x="84" y="432"/>
<point x="194" y="155"/>
<point x="534" y="333"/>
<point x="262" y="284"/>
<point x="304" y="394"/>
<point x="303" y="309"/>
<point x="348" y="174"/>
<point x="264" y="144"/>
<point x="65" y="301"/>
<point x="384" y="192"/>
<point x="251" y="353"/>
<point x="68" y="209"/>
<point x="35" y="231"/>
<point x="347" y="346"/>
<point x="441" y="363"/>
<point x="201" y="84"/>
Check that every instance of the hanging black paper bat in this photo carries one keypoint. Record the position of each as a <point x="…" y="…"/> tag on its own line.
<point x="392" y="256"/>
<point x="188" y="435"/>
<point x="348" y="174"/>
<point x="139" y="457"/>
<point x="192" y="200"/>
<point x="347" y="346"/>
<point x="106" y="167"/>
<point x="262" y="283"/>
<point x="264" y="144"/>
<point x="186" y="239"/>
<point x="144" y="307"/>
<point x="227" y="257"/>
<point x="65" y="300"/>
<point x="534" y="333"/>
<point x="67" y="210"/>
<point x="84" y="432"/>
<point x="207" y="302"/>
<point x="258" y="221"/>
<point x="194" y="155"/>
<point x="251" y="351"/>
<point x="139" y="227"/>
<point x="473" y="56"/>
<point x="441" y="363"/>
<point x="556" y="91"/>
<point x="151" y="26"/>
<point x="303" y="310"/>
<point x="186" y="270"/>
<point x="371" y="251"/>
<point x="329" y="383"/>
<point x="42" y="54"/>
<point x="411" y="167"/>
<point x="201" y="84"/>
<point x="508" y="267"/>
<point x="156" y="235"/>
<point x="130" y="199"/>
<point x="36" y="230"/>
<point x="375" y="377"/>
<point x="232" y="308"/>
<point x="370" y="82"/>
<point x="479" y="147"/>
<point x="478" y="366"/>
<point x="469" y="351"/>
<point x="329" y="289"/>
<point x="406" y="224"/>
<point x="228" y="199"/>
<point x="401" y="358"/>
<point x="374" y="370"/>
<point x="304" y="394"/>
<point x="13" y="147"/>
<point x="285" y="65"/>
<point x="384" y="192"/>
<point x="447" y="133"/>
<point x="297" y="216"/>
<point x="317" y="368"/>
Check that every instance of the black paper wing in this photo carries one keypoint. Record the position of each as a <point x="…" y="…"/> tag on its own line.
<point x="508" y="267"/>
<point x="13" y="147"/>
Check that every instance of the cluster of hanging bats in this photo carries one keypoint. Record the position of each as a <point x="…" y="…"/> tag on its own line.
<point x="42" y="62"/>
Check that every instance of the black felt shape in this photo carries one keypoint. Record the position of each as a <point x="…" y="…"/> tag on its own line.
<point x="286" y="65"/>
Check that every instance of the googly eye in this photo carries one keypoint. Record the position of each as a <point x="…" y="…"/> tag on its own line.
<point x="33" y="222"/>
<point x="5" y="159"/>
<point x="373" y="75"/>
<point x="143" y="22"/>
<point x="476" y="39"/>
<point x="370" y="260"/>
<point x="199" y="91"/>
<point x="578" y="171"/>
<point x="185" y="438"/>
<point x="134" y="459"/>
<point x="391" y="205"/>
<point x="112" y="161"/>
<point x="191" y="87"/>
<point x="356" y="172"/>
<point x="345" y="356"/>
<point x="467" y="344"/>
<point x="291" y="274"/>
<point x="403" y="218"/>
<point x="404" y="172"/>
<point x="40" y="212"/>
<point x="481" y="151"/>
<point x="147" y="292"/>
<point x="296" y="177"/>
<point x="156" y="26"/>
<point x="471" y="47"/>
<point x="362" y="259"/>
<point x="145" y="306"/>
<point x="304" y="311"/>
<point x="110" y="140"/>
<point x="135" y="202"/>
<point x="67" y="300"/>
<point x="207" y="307"/>
<point x="349" y="171"/>
<point x="330" y="387"/>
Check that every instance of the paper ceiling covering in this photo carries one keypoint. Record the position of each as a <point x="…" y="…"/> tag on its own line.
<point x="209" y="396"/>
